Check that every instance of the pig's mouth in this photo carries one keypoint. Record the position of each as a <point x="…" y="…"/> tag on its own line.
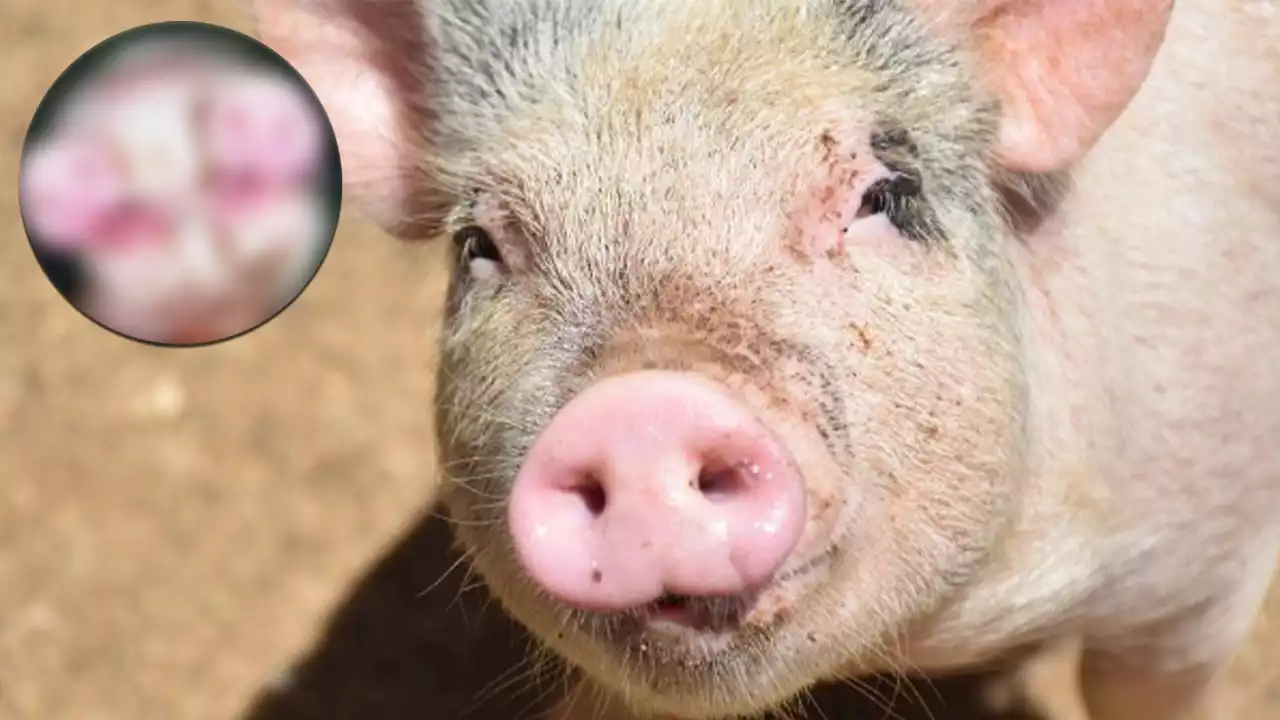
<point x="679" y="615"/>
<point x="678" y="629"/>
<point x="705" y="614"/>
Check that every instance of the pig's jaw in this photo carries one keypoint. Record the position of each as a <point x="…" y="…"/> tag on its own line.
<point x="710" y="623"/>
<point x="673" y="656"/>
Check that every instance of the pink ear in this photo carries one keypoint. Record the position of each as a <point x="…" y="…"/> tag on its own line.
<point x="366" y="63"/>
<point x="69" y="186"/>
<point x="1064" y="69"/>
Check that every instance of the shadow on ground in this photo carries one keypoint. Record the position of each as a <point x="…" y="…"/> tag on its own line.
<point x="394" y="652"/>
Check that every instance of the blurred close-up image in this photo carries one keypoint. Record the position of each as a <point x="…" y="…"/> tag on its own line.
<point x="179" y="184"/>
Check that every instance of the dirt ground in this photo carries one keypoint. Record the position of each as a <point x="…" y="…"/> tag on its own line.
<point x="243" y="532"/>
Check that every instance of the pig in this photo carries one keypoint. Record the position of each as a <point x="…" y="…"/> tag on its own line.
<point x="187" y="185"/>
<point x="795" y="340"/>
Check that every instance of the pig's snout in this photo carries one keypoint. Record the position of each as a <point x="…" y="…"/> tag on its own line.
<point x="652" y="483"/>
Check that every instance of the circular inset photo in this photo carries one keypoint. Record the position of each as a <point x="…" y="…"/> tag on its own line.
<point x="180" y="184"/>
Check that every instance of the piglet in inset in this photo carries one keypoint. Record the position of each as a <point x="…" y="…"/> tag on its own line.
<point x="185" y="187"/>
<point x="129" y="209"/>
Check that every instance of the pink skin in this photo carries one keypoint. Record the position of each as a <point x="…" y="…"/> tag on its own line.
<point x="262" y="137"/>
<point x="634" y="472"/>
<point x="72" y="191"/>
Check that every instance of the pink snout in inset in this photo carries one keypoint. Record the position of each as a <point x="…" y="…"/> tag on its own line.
<point x="651" y="483"/>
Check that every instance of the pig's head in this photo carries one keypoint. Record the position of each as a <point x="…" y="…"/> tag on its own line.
<point x="732" y="386"/>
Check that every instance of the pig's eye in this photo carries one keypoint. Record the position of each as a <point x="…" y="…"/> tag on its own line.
<point x="874" y="201"/>
<point x="477" y="248"/>
<point x="891" y="197"/>
<point x="476" y="244"/>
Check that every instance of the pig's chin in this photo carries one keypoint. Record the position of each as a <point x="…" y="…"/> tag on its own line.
<point x="701" y="627"/>
<point x="676" y="654"/>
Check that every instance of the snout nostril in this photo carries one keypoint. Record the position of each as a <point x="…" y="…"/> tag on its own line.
<point x="593" y="496"/>
<point x="723" y="482"/>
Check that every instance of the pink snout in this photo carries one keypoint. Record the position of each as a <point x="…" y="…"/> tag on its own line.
<point x="651" y="483"/>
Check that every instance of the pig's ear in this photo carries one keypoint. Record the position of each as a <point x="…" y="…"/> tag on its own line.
<point x="1064" y="69"/>
<point x="368" y="63"/>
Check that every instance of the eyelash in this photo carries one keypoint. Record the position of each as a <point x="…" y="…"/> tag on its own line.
<point x="887" y="196"/>
<point x="474" y="243"/>
<point x="897" y="197"/>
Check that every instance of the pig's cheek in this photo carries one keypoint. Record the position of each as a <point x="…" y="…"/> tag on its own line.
<point x="877" y="236"/>
<point x="832" y="497"/>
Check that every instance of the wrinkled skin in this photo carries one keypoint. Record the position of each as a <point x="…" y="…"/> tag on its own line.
<point x="1020" y="408"/>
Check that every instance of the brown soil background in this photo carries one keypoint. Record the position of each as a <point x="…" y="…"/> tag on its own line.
<point x="244" y="531"/>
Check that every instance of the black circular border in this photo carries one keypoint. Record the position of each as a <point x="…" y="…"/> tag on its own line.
<point x="62" y="270"/>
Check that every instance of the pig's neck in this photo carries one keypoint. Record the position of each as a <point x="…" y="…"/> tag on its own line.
<point x="1151" y="303"/>
<point x="1047" y="559"/>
